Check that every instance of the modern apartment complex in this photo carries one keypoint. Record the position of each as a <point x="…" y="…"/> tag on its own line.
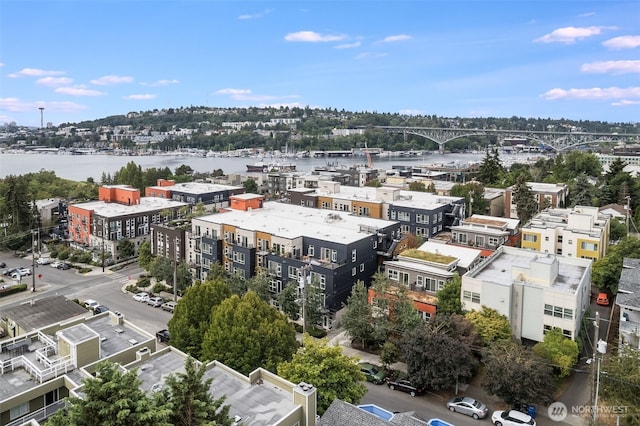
<point x="212" y="196"/>
<point x="39" y="368"/>
<point x="334" y="249"/>
<point x="486" y="233"/>
<point x="119" y="213"/>
<point x="419" y="213"/>
<point x="535" y="291"/>
<point x="581" y="231"/>
<point x="551" y="195"/>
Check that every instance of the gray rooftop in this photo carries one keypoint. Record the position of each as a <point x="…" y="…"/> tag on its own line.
<point x="147" y="205"/>
<point x="341" y="413"/>
<point x="43" y="312"/>
<point x="629" y="285"/>
<point x="422" y="200"/>
<point x="198" y="187"/>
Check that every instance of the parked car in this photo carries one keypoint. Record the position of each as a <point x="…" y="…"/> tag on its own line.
<point x="372" y="373"/>
<point x="3" y="265"/>
<point x="141" y="297"/>
<point x="63" y="266"/>
<point x="511" y="418"/>
<point x="468" y="406"/>
<point x="9" y="271"/>
<point x="155" y="301"/>
<point x="91" y="304"/>
<point x="169" y="306"/>
<point x="163" y="336"/>
<point x="404" y="385"/>
<point x="44" y="260"/>
<point x="100" y="309"/>
<point x="602" y="299"/>
<point x="55" y="264"/>
<point x="21" y="272"/>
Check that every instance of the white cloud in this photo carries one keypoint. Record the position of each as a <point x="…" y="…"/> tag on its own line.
<point x="570" y="35"/>
<point x="625" y="102"/>
<point x="54" y="81"/>
<point x="17" y="105"/>
<point x="347" y="45"/>
<point x="587" y="14"/>
<point x="109" y="80"/>
<point x="1" y="64"/>
<point x="78" y="91"/>
<point x="230" y="91"/>
<point x="410" y="112"/>
<point x="34" y="72"/>
<point x="368" y="55"/>
<point x="255" y="15"/>
<point x="622" y="42"/>
<point x="313" y="37"/>
<point x="398" y="37"/>
<point x="246" y="95"/>
<point x="593" y="93"/>
<point x="612" y="67"/>
<point x="141" y="96"/>
<point x="160" y="83"/>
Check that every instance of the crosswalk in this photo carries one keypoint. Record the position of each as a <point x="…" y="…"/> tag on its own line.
<point x="118" y="277"/>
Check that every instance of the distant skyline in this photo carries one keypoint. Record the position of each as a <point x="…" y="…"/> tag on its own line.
<point x="85" y="60"/>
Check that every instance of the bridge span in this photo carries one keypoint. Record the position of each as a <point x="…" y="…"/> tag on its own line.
<point x="557" y="141"/>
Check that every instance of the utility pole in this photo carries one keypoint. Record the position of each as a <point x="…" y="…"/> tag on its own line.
<point x="175" y="270"/>
<point x="628" y="207"/>
<point x="33" y="261"/>
<point x="303" y="287"/>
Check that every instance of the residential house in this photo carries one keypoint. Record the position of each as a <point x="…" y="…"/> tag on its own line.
<point x="581" y="231"/>
<point x="552" y="195"/>
<point x="486" y="233"/>
<point x="535" y="291"/>
<point x="628" y="300"/>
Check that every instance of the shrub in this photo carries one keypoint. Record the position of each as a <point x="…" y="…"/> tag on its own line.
<point x="132" y="288"/>
<point x="144" y="282"/>
<point x="318" y="333"/>
<point x="12" y="290"/>
<point x="158" y="287"/>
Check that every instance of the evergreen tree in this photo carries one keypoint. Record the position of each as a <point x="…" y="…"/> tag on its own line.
<point x="526" y="205"/>
<point x="144" y="255"/>
<point x="449" y="297"/>
<point x="491" y="169"/>
<point x="582" y="192"/>
<point x="356" y="319"/>
<point x="288" y="300"/>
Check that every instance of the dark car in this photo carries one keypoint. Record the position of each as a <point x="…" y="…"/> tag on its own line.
<point x="9" y="271"/>
<point x="372" y="373"/>
<point x="163" y="336"/>
<point x="3" y="265"/>
<point x="404" y="385"/>
<point x="63" y="266"/>
<point x="100" y="309"/>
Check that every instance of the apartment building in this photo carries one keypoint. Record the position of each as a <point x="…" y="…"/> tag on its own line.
<point x="628" y="301"/>
<point x="212" y="196"/>
<point x="43" y="366"/>
<point x="581" y="231"/>
<point x="419" y="213"/>
<point x="553" y="195"/>
<point x="426" y="270"/>
<point x="119" y="213"/>
<point x="535" y="291"/>
<point x="486" y="233"/>
<point x="333" y="249"/>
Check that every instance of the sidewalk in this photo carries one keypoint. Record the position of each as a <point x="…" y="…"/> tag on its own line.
<point x="473" y="389"/>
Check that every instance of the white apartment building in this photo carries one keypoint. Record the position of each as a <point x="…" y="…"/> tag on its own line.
<point x="536" y="292"/>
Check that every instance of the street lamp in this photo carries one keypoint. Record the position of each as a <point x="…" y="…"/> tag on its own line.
<point x="601" y="348"/>
<point x="302" y="283"/>
<point x="33" y="261"/>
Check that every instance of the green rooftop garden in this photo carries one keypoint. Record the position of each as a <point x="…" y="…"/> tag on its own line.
<point x="429" y="257"/>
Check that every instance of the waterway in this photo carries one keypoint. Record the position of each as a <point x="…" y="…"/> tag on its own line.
<point x="82" y="167"/>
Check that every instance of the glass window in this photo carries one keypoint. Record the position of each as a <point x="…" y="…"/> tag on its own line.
<point x="557" y="311"/>
<point x="548" y="310"/>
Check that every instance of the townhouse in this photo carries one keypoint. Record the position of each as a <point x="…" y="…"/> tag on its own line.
<point x="486" y="233"/>
<point x="552" y="195"/>
<point x="42" y="366"/>
<point x="212" y="196"/>
<point x="581" y="231"/>
<point x="535" y="291"/>
<point x="120" y="213"/>
<point x="332" y="249"/>
<point x="628" y="301"/>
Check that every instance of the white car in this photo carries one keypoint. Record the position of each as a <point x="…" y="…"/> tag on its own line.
<point x="21" y="272"/>
<point x="155" y="301"/>
<point x="44" y="260"/>
<point x="55" y="264"/>
<point x="511" y="418"/>
<point x="90" y="304"/>
<point x="141" y="297"/>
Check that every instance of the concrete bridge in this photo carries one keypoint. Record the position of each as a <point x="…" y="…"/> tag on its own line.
<point x="556" y="141"/>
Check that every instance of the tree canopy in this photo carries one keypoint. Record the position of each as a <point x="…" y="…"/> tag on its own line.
<point x="449" y="297"/>
<point x="561" y="351"/>
<point x="334" y="374"/>
<point x="357" y="316"/>
<point x="490" y="325"/>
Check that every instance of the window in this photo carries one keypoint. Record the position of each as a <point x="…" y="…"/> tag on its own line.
<point x="422" y="218"/>
<point x="353" y="272"/>
<point x="588" y="246"/>
<point x="393" y="274"/>
<point x="462" y="238"/>
<point x="354" y="255"/>
<point x="568" y="313"/>
<point x="404" y="216"/>
<point x="362" y="267"/>
<point x="310" y="251"/>
<point x="334" y="255"/>
<point x="557" y="311"/>
<point x="548" y="310"/>
<point x="419" y="280"/>
<point x="19" y="411"/>
<point x="546" y="238"/>
<point x="570" y="242"/>
<point x="470" y="296"/>
<point x="567" y="333"/>
<point x="530" y="237"/>
<point x="392" y="215"/>
<point x="404" y="229"/>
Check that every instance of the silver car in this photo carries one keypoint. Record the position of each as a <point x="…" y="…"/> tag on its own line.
<point x="468" y="406"/>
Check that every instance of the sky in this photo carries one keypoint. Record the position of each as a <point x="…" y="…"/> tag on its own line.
<point x="89" y="59"/>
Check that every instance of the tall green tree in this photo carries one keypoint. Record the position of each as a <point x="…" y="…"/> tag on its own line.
<point x="192" y="315"/>
<point x="490" y="325"/>
<point x="606" y="271"/>
<point x="334" y="374"/>
<point x="250" y="186"/>
<point x="561" y="351"/>
<point x="621" y="383"/>
<point x="473" y="192"/>
<point x="449" y="301"/>
<point x="404" y="315"/>
<point x="144" y="255"/>
<point x="288" y="300"/>
<point x="247" y="333"/>
<point x="491" y="169"/>
<point x="357" y="316"/>
<point x="190" y="401"/>
<point x="381" y="307"/>
<point x="126" y="249"/>
<point x="259" y="284"/>
<point x="112" y="398"/>
<point x="515" y="373"/>
<point x="582" y="192"/>
<point x="526" y="205"/>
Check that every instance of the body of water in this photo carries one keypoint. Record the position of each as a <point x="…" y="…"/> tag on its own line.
<point x="82" y="167"/>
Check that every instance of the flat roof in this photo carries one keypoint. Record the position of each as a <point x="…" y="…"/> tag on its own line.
<point x="289" y="221"/>
<point x="197" y="187"/>
<point x="147" y="205"/>
<point x="497" y="268"/>
<point x="466" y="255"/>
<point x="421" y="200"/>
<point x="256" y="404"/>
<point x="480" y="219"/>
<point x="38" y="313"/>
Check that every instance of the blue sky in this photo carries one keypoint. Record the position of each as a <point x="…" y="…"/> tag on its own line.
<point x="83" y="60"/>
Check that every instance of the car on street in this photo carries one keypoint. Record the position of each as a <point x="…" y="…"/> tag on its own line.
<point x="468" y="406"/>
<point x="91" y="304"/>
<point x="8" y="272"/>
<point x="44" y="260"/>
<point x="21" y="272"/>
<point x="372" y="373"/>
<point x="155" y="301"/>
<point x="3" y="265"/>
<point x="100" y="309"/>
<point x="64" y="266"/>
<point x="404" y="385"/>
<point x="511" y="418"/>
<point x="602" y="299"/>
<point x="55" y="264"/>
<point x="163" y="336"/>
<point x="141" y="297"/>
<point x="169" y="306"/>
